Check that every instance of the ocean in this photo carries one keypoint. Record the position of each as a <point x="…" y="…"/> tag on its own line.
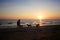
<point x="12" y="23"/>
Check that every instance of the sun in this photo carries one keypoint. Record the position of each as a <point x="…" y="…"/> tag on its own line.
<point x="40" y="16"/>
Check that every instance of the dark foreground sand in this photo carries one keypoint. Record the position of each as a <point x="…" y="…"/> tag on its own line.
<point x="41" y="33"/>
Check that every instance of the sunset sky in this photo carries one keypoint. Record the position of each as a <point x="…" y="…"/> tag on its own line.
<point x="30" y="9"/>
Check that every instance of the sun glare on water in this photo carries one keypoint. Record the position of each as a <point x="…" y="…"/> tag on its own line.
<point x="40" y="17"/>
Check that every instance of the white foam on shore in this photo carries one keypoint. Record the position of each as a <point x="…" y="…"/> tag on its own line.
<point x="8" y="26"/>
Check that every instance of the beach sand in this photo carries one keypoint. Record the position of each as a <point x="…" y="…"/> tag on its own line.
<point x="49" y="32"/>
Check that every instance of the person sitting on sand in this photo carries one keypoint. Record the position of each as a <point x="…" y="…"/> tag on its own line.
<point x="18" y="22"/>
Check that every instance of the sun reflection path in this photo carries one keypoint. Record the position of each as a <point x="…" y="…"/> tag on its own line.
<point x="40" y="17"/>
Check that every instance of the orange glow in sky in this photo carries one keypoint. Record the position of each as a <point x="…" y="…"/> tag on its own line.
<point x="30" y="9"/>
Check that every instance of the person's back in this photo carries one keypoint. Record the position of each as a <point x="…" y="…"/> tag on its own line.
<point x="18" y="22"/>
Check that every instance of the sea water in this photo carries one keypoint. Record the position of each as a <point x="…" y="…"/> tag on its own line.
<point x="50" y="22"/>
<point x="13" y="22"/>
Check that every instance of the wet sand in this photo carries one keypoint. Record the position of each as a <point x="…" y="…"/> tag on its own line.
<point x="49" y="32"/>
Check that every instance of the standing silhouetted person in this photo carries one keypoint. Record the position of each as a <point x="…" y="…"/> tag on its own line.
<point x="18" y="22"/>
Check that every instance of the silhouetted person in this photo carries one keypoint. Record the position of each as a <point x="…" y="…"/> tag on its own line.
<point x="18" y="22"/>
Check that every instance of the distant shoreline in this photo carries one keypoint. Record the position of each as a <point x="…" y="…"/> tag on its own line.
<point x="28" y="28"/>
<point x="15" y="26"/>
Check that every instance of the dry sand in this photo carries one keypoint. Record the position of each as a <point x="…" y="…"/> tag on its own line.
<point x="41" y="33"/>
